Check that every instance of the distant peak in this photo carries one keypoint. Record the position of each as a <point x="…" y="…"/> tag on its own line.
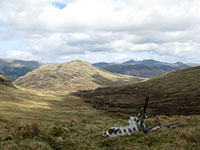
<point x="179" y="63"/>
<point x="150" y="61"/>
<point x="129" y="61"/>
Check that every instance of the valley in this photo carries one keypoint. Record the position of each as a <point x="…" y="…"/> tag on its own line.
<point x="45" y="120"/>
<point x="22" y="104"/>
<point x="99" y="75"/>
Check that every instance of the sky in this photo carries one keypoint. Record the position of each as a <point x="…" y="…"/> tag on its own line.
<point x="56" y="31"/>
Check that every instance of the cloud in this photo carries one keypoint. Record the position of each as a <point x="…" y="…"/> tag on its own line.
<point x="54" y="29"/>
<point x="18" y="54"/>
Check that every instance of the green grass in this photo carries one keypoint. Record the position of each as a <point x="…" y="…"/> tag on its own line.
<point x="86" y="135"/>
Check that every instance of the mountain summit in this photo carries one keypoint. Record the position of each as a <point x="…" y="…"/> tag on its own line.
<point x="72" y="76"/>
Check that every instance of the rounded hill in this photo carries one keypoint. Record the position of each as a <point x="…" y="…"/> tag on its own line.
<point x="72" y="76"/>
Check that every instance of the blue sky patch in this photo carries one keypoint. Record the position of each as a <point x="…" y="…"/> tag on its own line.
<point x="59" y="5"/>
<point x="2" y="27"/>
<point x="13" y="43"/>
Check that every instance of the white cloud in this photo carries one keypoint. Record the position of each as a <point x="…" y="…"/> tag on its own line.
<point x="170" y="28"/>
<point x="17" y="54"/>
<point x="99" y="57"/>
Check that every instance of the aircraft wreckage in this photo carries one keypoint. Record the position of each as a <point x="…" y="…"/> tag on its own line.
<point x="136" y="124"/>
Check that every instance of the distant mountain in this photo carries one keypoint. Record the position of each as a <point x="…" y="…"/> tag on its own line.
<point x="72" y="76"/>
<point x="12" y="69"/>
<point x="102" y="64"/>
<point x="129" y="62"/>
<point x="145" y="68"/>
<point x="174" y="93"/>
<point x="147" y="61"/>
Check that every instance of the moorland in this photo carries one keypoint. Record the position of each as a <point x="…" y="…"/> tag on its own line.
<point x="61" y="117"/>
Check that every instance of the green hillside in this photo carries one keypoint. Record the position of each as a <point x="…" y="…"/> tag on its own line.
<point x="12" y="69"/>
<point x="175" y="93"/>
<point x="72" y="76"/>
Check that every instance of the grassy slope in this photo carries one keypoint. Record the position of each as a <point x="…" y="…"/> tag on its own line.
<point x="32" y="120"/>
<point x="72" y="76"/>
<point x="24" y="104"/>
<point x="173" y="93"/>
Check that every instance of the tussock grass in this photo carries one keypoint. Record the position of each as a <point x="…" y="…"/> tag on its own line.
<point x="86" y="135"/>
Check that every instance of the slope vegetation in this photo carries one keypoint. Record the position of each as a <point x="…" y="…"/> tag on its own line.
<point x="5" y="81"/>
<point x="173" y="93"/>
<point x="84" y="135"/>
<point x="22" y="104"/>
<point x="12" y="69"/>
<point x="72" y="76"/>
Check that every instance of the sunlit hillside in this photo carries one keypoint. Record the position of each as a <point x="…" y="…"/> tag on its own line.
<point x="72" y="76"/>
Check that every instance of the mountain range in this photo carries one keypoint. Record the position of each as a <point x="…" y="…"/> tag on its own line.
<point x="145" y="68"/>
<point x="13" y="69"/>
